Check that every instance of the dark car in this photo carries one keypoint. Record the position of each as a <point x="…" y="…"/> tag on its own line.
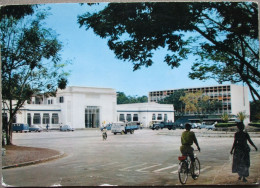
<point x="20" y="127"/>
<point x="161" y="125"/>
<point x="35" y="128"/>
<point x="66" y="128"/>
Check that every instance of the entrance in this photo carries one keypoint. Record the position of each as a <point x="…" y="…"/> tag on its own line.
<point x="92" y="117"/>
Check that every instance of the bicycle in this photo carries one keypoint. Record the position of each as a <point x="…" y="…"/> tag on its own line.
<point x="185" y="168"/>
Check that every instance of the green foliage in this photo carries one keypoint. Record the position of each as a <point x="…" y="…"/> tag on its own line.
<point x="254" y="124"/>
<point x="223" y="36"/>
<point x="198" y="103"/>
<point x="123" y="99"/>
<point x="218" y="125"/>
<point x="242" y="116"/>
<point x="175" y="100"/>
<point x="31" y="63"/>
<point x="225" y="117"/>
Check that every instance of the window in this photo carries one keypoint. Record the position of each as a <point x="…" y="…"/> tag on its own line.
<point x="61" y="99"/>
<point x="46" y="119"/>
<point x="29" y="119"/>
<point x="165" y="117"/>
<point x="55" y="118"/>
<point x="159" y="117"/>
<point x="129" y="117"/>
<point x="135" y="118"/>
<point x="50" y="101"/>
<point x="37" y="118"/>
<point x="154" y="117"/>
<point x="122" y="117"/>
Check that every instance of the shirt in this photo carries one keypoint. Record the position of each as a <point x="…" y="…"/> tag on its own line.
<point x="187" y="138"/>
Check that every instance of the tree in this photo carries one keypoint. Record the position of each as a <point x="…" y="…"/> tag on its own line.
<point x="31" y="63"/>
<point x="174" y="99"/>
<point x="222" y="35"/>
<point x="225" y="117"/>
<point x="200" y="104"/>
<point x="242" y="116"/>
<point x="255" y="111"/>
<point x="123" y="99"/>
<point x="191" y="101"/>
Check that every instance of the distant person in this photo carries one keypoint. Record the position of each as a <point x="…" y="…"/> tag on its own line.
<point x="47" y="127"/>
<point x="104" y="133"/>
<point x="241" y="158"/>
<point x="187" y="139"/>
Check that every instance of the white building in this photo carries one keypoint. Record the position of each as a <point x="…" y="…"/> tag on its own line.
<point x="145" y="113"/>
<point x="80" y="107"/>
<point x="87" y="107"/>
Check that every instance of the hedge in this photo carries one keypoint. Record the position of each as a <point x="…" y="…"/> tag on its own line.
<point x="254" y="124"/>
<point x="225" y="125"/>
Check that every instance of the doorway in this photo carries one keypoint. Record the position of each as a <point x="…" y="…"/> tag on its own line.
<point x="92" y="117"/>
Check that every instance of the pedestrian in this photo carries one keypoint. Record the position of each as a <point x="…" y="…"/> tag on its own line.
<point x="241" y="158"/>
<point x="47" y="127"/>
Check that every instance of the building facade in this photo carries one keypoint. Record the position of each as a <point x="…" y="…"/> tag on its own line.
<point x="234" y="98"/>
<point x="80" y="107"/>
<point x="145" y="113"/>
<point x="86" y="107"/>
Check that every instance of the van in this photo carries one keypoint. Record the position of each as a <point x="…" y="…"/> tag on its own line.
<point x="20" y="127"/>
<point x="118" y="127"/>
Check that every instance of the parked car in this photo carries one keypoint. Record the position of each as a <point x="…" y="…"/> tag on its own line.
<point x="20" y="127"/>
<point x="66" y="128"/>
<point x="210" y="127"/>
<point x="35" y="128"/>
<point x="201" y="125"/>
<point x="194" y="125"/>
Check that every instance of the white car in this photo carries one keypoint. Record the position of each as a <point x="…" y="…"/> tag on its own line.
<point x="66" y="128"/>
<point x="210" y="127"/>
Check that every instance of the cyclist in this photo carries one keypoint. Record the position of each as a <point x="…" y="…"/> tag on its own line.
<point x="187" y="139"/>
<point x="104" y="133"/>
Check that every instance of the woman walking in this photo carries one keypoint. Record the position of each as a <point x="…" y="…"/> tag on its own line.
<point x="241" y="158"/>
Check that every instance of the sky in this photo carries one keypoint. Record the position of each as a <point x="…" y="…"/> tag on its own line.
<point x="94" y="65"/>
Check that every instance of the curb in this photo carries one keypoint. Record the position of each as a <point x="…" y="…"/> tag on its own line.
<point x="62" y="154"/>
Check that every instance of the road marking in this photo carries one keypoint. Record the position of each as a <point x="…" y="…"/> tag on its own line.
<point x="201" y="170"/>
<point x="207" y="167"/>
<point x="142" y="169"/>
<point x="174" y="172"/>
<point x="127" y="169"/>
<point x="108" y="164"/>
<point x="161" y="169"/>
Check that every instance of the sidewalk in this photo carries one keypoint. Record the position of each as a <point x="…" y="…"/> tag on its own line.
<point x="17" y="156"/>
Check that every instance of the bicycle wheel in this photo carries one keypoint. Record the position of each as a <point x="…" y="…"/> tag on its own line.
<point x="196" y="168"/>
<point x="183" y="172"/>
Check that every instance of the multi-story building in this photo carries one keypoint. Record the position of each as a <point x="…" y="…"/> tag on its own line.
<point x="234" y="98"/>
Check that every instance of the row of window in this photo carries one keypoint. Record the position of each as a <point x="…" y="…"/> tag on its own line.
<point x="128" y="117"/>
<point x="45" y="119"/>
<point x="159" y="117"/>
<point x="135" y="117"/>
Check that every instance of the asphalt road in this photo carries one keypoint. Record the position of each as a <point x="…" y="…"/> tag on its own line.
<point x="144" y="158"/>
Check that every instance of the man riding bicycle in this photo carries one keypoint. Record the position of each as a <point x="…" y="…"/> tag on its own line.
<point x="187" y="139"/>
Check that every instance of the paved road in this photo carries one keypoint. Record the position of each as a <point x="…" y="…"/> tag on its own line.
<point x="144" y="158"/>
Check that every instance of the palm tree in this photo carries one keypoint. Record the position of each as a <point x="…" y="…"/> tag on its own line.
<point x="242" y="116"/>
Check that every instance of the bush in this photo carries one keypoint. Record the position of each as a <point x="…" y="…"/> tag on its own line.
<point x="254" y="124"/>
<point x="219" y="125"/>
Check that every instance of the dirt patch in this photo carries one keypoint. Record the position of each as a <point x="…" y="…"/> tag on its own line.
<point x="20" y="154"/>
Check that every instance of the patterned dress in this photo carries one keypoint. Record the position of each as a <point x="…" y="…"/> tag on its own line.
<point x="241" y="158"/>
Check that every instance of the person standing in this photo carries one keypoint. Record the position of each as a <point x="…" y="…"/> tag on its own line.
<point x="241" y="158"/>
<point x="47" y="127"/>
